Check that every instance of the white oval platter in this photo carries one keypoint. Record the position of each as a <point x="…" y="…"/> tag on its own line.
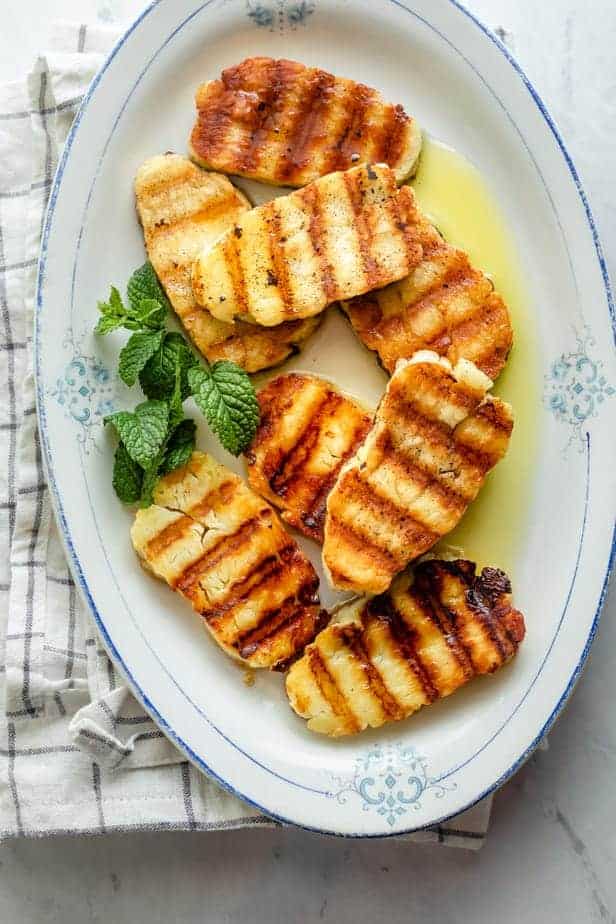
<point x="465" y="88"/>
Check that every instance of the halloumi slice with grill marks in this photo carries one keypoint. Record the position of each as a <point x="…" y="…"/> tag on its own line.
<point x="435" y="437"/>
<point x="444" y="304"/>
<point x="281" y="122"/>
<point x="307" y="430"/>
<point x="183" y="210"/>
<point x="381" y="659"/>
<point x="341" y="236"/>
<point x="224" y="549"/>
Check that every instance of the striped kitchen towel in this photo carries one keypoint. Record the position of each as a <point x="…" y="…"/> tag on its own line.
<point x="77" y="753"/>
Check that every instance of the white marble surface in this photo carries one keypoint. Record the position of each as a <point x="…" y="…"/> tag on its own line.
<point x="551" y="852"/>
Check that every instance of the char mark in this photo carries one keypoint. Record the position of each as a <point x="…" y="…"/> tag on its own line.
<point x="391" y="141"/>
<point x="283" y="619"/>
<point x="353" y="636"/>
<point x="225" y="547"/>
<point x="309" y="119"/>
<point x="267" y="571"/>
<point x="317" y="229"/>
<point x="280" y="276"/>
<point x="261" y="115"/>
<point x="382" y="608"/>
<point x="426" y="591"/>
<point x="235" y="269"/>
<point x="350" y="137"/>
<point x="291" y="466"/>
<point x="356" y="194"/>
<point x="329" y="688"/>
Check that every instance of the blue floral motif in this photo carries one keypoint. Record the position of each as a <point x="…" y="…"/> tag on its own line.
<point x="576" y="388"/>
<point x="85" y="390"/>
<point x="279" y="15"/>
<point x="390" y="780"/>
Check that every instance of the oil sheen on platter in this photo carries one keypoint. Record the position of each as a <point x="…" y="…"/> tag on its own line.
<point x="455" y="196"/>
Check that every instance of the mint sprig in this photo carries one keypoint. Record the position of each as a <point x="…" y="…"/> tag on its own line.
<point x="155" y="438"/>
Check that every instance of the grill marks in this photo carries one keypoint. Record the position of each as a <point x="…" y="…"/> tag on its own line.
<point x="329" y="690"/>
<point x="223" y="549"/>
<point x="348" y="144"/>
<point x="355" y="192"/>
<point x="317" y="232"/>
<point x="280" y="272"/>
<point x="307" y="431"/>
<point x="378" y="689"/>
<point x="262" y="116"/>
<point x="404" y="639"/>
<point x="445" y="305"/>
<point x="337" y="238"/>
<point x="290" y="467"/>
<point x="215" y="115"/>
<point x="189" y="580"/>
<point x="233" y="260"/>
<point x="308" y="123"/>
<point x="382" y="659"/>
<point x="281" y="122"/>
<point x="184" y="210"/>
<point x="435" y="436"/>
<point x="392" y="136"/>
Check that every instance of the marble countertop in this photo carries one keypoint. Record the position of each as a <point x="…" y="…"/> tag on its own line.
<point x="551" y="852"/>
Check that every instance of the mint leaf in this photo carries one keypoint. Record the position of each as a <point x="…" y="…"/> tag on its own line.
<point x="151" y="314"/>
<point x="157" y="378"/>
<point x="225" y="395"/>
<point x="143" y="431"/>
<point x="139" y="349"/>
<point x="180" y="446"/>
<point x="150" y="480"/>
<point x="176" y="411"/>
<point x="113" y="313"/>
<point x="114" y="308"/>
<point x="107" y="323"/>
<point x="175" y="451"/>
<point x="127" y="476"/>
<point x="147" y="304"/>
<point x="144" y="285"/>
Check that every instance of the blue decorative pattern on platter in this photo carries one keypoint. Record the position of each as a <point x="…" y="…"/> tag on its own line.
<point x="576" y="387"/>
<point x="85" y="389"/>
<point x="279" y="15"/>
<point x="390" y="780"/>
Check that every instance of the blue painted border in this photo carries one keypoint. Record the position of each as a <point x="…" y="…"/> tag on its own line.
<point x="47" y="453"/>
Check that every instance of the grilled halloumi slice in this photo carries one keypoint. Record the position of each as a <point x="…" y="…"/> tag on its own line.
<point x="224" y="549"/>
<point x="435" y="436"/>
<point x="338" y="237"/>
<point x="444" y="304"/>
<point x="381" y="659"/>
<point x="184" y="210"/>
<point x="307" y="430"/>
<point x="284" y="123"/>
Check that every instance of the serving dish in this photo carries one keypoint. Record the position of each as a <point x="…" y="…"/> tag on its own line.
<point x="464" y="88"/>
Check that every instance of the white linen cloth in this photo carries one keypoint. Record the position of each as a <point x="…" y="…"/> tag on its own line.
<point x="77" y="753"/>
